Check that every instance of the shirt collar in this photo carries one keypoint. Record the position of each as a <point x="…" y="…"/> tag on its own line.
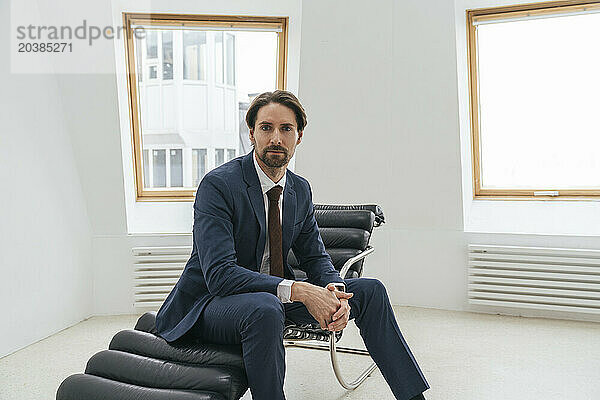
<point x="265" y="182"/>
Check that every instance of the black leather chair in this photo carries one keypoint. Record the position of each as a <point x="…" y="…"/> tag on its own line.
<point x="141" y="365"/>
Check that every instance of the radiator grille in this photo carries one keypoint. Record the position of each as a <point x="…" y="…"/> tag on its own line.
<point x="156" y="271"/>
<point x="535" y="277"/>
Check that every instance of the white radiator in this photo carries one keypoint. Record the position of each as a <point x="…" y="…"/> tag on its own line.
<point x="156" y="271"/>
<point x="535" y="277"/>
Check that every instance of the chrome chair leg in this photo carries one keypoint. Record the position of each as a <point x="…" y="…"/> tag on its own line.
<point x="333" y="350"/>
<point x="336" y="368"/>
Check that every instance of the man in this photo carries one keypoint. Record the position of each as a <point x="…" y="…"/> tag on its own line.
<point x="237" y="286"/>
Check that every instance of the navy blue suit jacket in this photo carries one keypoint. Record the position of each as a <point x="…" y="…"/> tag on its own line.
<point x="229" y="240"/>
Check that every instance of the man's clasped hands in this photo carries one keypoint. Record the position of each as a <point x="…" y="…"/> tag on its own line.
<point x="328" y="305"/>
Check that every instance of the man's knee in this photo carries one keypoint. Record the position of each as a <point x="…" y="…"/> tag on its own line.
<point x="372" y="287"/>
<point x="266" y="310"/>
<point x="370" y="298"/>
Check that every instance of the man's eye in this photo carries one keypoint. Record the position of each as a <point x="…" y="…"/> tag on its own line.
<point x="287" y="128"/>
<point x="265" y="127"/>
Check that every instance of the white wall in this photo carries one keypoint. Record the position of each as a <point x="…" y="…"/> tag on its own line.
<point x="379" y="83"/>
<point x="95" y="134"/>
<point x="45" y="234"/>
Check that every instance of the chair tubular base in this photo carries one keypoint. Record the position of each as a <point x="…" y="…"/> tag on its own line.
<point x="331" y="347"/>
<point x="333" y="350"/>
<point x="336" y="368"/>
<point x="325" y="347"/>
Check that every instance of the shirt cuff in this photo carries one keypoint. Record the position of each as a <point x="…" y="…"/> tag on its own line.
<point x="338" y="284"/>
<point x="284" y="290"/>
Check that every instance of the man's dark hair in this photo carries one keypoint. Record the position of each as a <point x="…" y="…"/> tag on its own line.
<point x="282" y="97"/>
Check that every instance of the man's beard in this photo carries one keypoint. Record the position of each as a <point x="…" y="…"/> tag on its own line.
<point x="274" y="161"/>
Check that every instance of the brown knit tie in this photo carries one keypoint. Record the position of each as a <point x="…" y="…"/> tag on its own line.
<point x="275" y="232"/>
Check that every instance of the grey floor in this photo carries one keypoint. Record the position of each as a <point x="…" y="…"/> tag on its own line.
<point x="465" y="356"/>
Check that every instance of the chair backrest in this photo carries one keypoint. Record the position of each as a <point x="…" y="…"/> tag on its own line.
<point x="346" y="231"/>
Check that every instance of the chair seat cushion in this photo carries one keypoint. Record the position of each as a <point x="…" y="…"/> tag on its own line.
<point x="374" y="208"/>
<point x="183" y="351"/>
<point x="139" y="370"/>
<point x="91" y="387"/>
<point x="349" y="238"/>
<point x="361" y="219"/>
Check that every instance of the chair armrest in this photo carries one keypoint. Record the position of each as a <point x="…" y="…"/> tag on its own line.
<point x="354" y="259"/>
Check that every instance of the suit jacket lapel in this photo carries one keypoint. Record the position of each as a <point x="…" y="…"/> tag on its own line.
<point x="258" y="204"/>
<point x="289" y="216"/>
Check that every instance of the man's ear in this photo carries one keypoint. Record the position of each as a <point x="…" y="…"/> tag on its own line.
<point x="300" y="133"/>
<point x="251" y="135"/>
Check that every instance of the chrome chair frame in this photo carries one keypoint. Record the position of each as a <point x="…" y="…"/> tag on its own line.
<point x="332" y="347"/>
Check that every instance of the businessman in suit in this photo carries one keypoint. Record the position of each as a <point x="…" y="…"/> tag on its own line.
<point x="237" y="287"/>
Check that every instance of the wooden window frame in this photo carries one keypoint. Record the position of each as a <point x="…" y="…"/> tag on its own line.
<point x="507" y="13"/>
<point x="186" y="20"/>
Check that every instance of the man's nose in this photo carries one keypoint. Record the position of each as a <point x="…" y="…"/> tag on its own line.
<point x="276" y="138"/>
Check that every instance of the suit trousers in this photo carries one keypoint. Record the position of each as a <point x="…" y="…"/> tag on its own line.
<point x="256" y="321"/>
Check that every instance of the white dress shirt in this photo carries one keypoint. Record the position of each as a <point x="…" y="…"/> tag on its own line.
<point x="284" y="289"/>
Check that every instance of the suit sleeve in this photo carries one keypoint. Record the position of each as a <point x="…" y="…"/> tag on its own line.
<point x="310" y="251"/>
<point x="214" y="239"/>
